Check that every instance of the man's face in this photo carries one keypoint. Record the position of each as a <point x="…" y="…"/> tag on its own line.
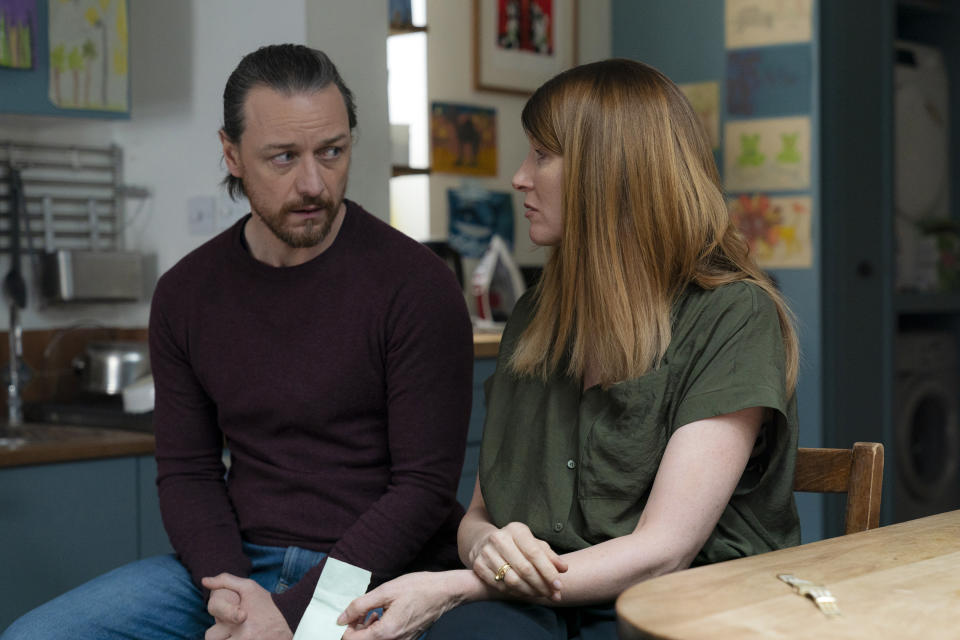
<point x="293" y="158"/>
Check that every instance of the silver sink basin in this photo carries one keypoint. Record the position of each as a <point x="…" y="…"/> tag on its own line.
<point x="7" y="442"/>
<point x="16" y="437"/>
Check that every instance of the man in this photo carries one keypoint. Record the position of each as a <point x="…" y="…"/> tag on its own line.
<point x="333" y="357"/>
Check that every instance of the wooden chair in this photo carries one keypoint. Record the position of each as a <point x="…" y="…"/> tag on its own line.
<point x="857" y="472"/>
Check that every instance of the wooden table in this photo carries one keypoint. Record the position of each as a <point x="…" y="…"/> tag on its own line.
<point x="901" y="581"/>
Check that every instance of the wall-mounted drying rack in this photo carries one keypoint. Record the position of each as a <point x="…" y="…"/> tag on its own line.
<point x="71" y="220"/>
<point x="74" y="196"/>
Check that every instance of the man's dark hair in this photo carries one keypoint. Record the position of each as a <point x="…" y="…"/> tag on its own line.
<point x="287" y="69"/>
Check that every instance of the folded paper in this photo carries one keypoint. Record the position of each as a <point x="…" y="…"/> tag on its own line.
<point x="339" y="584"/>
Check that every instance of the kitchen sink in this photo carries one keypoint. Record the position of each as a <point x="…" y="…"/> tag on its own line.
<point x="16" y="437"/>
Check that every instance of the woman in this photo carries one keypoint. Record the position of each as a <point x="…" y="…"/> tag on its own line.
<point x="642" y="417"/>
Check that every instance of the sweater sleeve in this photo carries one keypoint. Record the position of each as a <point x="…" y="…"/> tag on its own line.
<point x="194" y="505"/>
<point x="428" y="377"/>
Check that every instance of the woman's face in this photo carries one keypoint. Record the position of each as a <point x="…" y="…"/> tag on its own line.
<point x="540" y="178"/>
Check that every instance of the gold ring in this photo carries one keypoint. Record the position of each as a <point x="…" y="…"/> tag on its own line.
<point x="501" y="572"/>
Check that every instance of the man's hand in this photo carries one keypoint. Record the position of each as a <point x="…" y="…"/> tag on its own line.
<point x="226" y="604"/>
<point x="243" y="610"/>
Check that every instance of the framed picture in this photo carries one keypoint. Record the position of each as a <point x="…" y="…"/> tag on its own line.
<point x="463" y="139"/>
<point x="520" y="44"/>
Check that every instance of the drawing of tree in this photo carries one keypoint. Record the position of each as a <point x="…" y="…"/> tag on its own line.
<point x="58" y="62"/>
<point x="13" y="43"/>
<point x="75" y="63"/>
<point x="89" y="52"/>
<point x="16" y="33"/>
<point x="26" y="47"/>
<point x="4" y="44"/>
<point x="120" y="60"/>
<point x="94" y="18"/>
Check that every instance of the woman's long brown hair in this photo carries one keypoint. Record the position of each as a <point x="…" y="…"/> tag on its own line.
<point x="644" y="216"/>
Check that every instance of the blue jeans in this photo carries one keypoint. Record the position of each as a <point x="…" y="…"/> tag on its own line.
<point x="151" y="599"/>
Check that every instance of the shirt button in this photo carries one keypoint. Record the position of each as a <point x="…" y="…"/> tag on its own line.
<point x="558" y="526"/>
<point x="571" y="464"/>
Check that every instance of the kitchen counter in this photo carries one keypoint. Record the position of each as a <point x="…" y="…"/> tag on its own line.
<point x="46" y="443"/>
<point x="486" y="344"/>
<point x="35" y="443"/>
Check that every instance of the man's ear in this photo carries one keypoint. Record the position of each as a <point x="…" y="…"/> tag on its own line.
<point x="231" y="154"/>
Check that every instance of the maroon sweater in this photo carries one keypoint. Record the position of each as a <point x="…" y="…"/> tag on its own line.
<point x="342" y="387"/>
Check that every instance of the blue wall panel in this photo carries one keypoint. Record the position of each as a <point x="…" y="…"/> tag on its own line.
<point x="685" y="40"/>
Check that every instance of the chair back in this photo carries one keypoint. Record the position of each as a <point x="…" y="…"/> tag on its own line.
<point x="857" y="472"/>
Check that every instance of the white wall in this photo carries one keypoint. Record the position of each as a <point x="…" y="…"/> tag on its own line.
<point x="450" y="79"/>
<point x="181" y="54"/>
<point x="355" y="38"/>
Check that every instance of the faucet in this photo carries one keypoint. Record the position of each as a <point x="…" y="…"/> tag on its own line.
<point x="15" y="288"/>
<point x="14" y="401"/>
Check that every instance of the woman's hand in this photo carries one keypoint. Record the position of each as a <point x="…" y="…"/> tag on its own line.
<point x="534" y="569"/>
<point x="411" y="603"/>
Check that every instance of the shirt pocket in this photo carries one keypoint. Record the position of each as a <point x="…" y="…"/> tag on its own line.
<point x="626" y="434"/>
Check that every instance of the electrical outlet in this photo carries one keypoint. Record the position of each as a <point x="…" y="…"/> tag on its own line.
<point x="229" y="211"/>
<point x="201" y="215"/>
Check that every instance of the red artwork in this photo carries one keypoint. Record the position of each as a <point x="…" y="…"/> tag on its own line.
<point x="526" y="25"/>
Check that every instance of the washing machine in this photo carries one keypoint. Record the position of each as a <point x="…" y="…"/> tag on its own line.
<point x="926" y="447"/>
<point x="921" y="161"/>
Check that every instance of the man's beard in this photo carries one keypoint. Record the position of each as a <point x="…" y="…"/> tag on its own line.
<point x="308" y="234"/>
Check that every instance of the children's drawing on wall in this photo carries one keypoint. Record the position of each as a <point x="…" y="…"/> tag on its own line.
<point x="463" y="139"/>
<point x="704" y="97"/>
<point x="770" y="154"/>
<point x="776" y="228"/>
<point x="769" y="81"/>
<point x="526" y="25"/>
<point x="89" y="54"/>
<point x="756" y="23"/>
<point x="18" y="33"/>
<point x="476" y="215"/>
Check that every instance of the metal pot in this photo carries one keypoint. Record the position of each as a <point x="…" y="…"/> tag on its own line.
<point x="108" y="367"/>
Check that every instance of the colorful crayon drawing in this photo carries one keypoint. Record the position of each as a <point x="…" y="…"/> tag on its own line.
<point x="18" y="33"/>
<point x="770" y="81"/>
<point x="776" y="228"/>
<point x="770" y="154"/>
<point x="89" y="54"/>
<point x="757" y="23"/>
<point x="704" y="97"/>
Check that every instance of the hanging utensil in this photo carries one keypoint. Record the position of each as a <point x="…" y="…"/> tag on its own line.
<point x="13" y="284"/>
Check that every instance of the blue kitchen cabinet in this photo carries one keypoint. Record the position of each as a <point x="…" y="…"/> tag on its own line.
<point x="482" y="369"/>
<point x="63" y="524"/>
<point x="151" y="535"/>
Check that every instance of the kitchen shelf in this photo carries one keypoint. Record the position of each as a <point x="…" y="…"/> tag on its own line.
<point x="404" y="170"/>
<point x="403" y="29"/>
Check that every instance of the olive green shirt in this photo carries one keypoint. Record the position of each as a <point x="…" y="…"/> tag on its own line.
<point x="577" y="466"/>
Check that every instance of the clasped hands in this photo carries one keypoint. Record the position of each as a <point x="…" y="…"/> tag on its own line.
<point x="243" y="610"/>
